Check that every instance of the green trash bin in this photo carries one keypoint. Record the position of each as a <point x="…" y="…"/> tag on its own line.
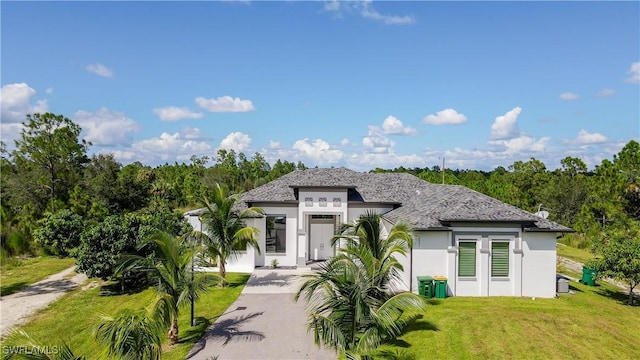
<point x="589" y="276"/>
<point x="425" y="286"/>
<point x="441" y="287"/>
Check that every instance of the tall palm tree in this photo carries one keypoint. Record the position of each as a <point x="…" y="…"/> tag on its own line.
<point x="353" y="301"/>
<point x="130" y="334"/>
<point x="226" y="232"/>
<point x="170" y="268"/>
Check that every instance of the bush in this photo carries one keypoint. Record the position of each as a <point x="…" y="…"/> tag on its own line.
<point x="59" y="233"/>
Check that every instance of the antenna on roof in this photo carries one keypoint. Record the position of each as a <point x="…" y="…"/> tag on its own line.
<point x="541" y="213"/>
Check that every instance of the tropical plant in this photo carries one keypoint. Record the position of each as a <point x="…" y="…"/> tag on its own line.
<point x="20" y="345"/>
<point x="225" y="230"/>
<point x="170" y="268"/>
<point x="131" y="335"/>
<point x="353" y="298"/>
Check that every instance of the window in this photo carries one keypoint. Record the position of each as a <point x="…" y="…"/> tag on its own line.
<point x="276" y="241"/>
<point x="322" y="201"/>
<point x="499" y="259"/>
<point x="337" y="202"/>
<point x="467" y="258"/>
<point x="308" y="201"/>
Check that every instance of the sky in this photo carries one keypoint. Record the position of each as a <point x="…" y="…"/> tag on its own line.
<point x="359" y="84"/>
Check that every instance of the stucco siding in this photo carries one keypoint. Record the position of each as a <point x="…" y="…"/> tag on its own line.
<point x="539" y="265"/>
<point x="429" y="255"/>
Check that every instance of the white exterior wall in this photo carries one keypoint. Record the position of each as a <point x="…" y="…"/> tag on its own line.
<point x="244" y="261"/>
<point x="288" y="258"/>
<point x="429" y="256"/>
<point x="539" y="265"/>
<point x="304" y="210"/>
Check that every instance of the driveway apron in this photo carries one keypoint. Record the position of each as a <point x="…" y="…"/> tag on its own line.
<point x="263" y="323"/>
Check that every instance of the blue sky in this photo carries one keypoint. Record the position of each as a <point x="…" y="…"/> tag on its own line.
<point x="358" y="84"/>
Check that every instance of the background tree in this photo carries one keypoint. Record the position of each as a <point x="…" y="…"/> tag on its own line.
<point x="226" y="232"/>
<point x="59" y="232"/>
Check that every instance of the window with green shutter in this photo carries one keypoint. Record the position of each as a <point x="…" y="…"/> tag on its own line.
<point x="500" y="259"/>
<point x="467" y="258"/>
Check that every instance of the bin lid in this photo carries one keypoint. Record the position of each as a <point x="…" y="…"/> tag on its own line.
<point x="425" y="278"/>
<point x="440" y="278"/>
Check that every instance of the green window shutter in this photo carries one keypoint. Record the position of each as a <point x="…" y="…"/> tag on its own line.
<point x="500" y="259"/>
<point x="467" y="259"/>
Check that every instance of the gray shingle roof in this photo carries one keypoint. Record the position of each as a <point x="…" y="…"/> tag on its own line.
<point x="425" y="206"/>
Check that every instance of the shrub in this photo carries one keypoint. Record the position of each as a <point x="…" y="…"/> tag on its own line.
<point x="59" y="233"/>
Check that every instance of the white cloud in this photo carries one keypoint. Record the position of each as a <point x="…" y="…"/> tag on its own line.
<point x="506" y="126"/>
<point x="274" y="144"/>
<point x="366" y="10"/>
<point x="236" y="141"/>
<point x="393" y="126"/>
<point x="345" y="142"/>
<point x="376" y="142"/>
<point x="584" y="137"/>
<point x="520" y="144"/>
<point x="49" y="91"/>
<point x="167" y="147"/>
<point x="15" y="103"/>
<point x="368" y="161"/>
<point x="173" y="113"/>
<point x="605" y="92"/>
<point x="99" y="69"/>
<point x="445" y="117"/>
<point x="569" y="96"/>
<point x="634" y="73"/>
<point x="189" y="133"/>
<point x="105" y="127"/>
<point x="318" y="151"/>
<point x="225" y="104"/>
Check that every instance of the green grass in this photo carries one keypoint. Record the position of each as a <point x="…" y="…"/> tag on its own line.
<point x="29" y="271"/>
<point x="579" y="255"/>
<point x="592" y="323"/>
<point x="73" y="318"/>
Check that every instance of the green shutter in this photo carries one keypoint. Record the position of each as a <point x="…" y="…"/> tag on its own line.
<point x="467" y="259"/>
<point x="500" y="259"/>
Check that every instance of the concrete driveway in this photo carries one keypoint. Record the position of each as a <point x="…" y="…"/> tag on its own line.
<point x="263" y="323"/>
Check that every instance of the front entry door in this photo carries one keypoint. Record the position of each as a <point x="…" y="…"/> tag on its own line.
<point x="321" y="231"/>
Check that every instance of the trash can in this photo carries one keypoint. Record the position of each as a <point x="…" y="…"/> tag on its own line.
<point x="441" y="287"/>
<point x="589" y="276"/>
<point x="425" y="286"/>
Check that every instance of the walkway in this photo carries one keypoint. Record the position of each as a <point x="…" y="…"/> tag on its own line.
<point x="16" y="308"/>
<point x="263" y="323"/>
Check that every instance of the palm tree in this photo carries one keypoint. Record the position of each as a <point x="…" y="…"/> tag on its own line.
<point x="131" y="335"/>
<point x="170" y="269"/>
<point x="20" y="341"/>
<point x="352" y="297"/>
<point x="226" y="231"/>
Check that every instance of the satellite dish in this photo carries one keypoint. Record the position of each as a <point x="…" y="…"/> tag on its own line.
<point x="543" y="214"/>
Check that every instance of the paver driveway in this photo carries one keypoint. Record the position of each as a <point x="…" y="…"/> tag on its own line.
<point x="263" y="323"/>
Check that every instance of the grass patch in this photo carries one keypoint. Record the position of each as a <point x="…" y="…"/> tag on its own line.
<point x="579" y="255"/>
<point x="16" y="276"/>
<point x="591" y="323"/>
<point x="73" y="318"/>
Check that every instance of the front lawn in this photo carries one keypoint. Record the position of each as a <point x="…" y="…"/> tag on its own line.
<point x="592" y="323"/>
<point x="29" y="271"/>
<point x="73" y="318"/>
<point x="575" y="254"/>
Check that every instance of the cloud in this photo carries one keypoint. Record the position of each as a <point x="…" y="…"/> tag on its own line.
<point x="179" y="146"/>
<point x="506" y="126"/>
<point x="569" y="96"/>
<point x="189" y="133"/>
<point x="99" y="69"/>
<point x="173" y="113"/>
<point x="393" y="126"/>
<point x="366" y="10"/>
<point x="445" y="117"/>
<point x="225" y="104"/>
<point x="634" y="73"/>
<point x="49" y="91"/>
<point x="605" y="92"/>
<point x="236" y="141"/>
<point x="520" y="144"/>
<point x="345" y="142"/>
<point x="584" y="138"/>
<point x="318" y="151"/>
<point x="376" y="142"/>
<point x="105" y="127"/>
<point x="15" y="103"/>
<point x="274" y="144"/>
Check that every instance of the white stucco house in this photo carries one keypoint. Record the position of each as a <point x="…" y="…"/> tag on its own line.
<point x="482" y="245"/>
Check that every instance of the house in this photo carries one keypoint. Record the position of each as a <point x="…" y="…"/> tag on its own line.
<point x="482" y="245"/>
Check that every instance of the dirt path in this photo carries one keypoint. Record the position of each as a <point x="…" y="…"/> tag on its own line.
<point x="577" y="267"/>
<point x="16" y="308"/>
